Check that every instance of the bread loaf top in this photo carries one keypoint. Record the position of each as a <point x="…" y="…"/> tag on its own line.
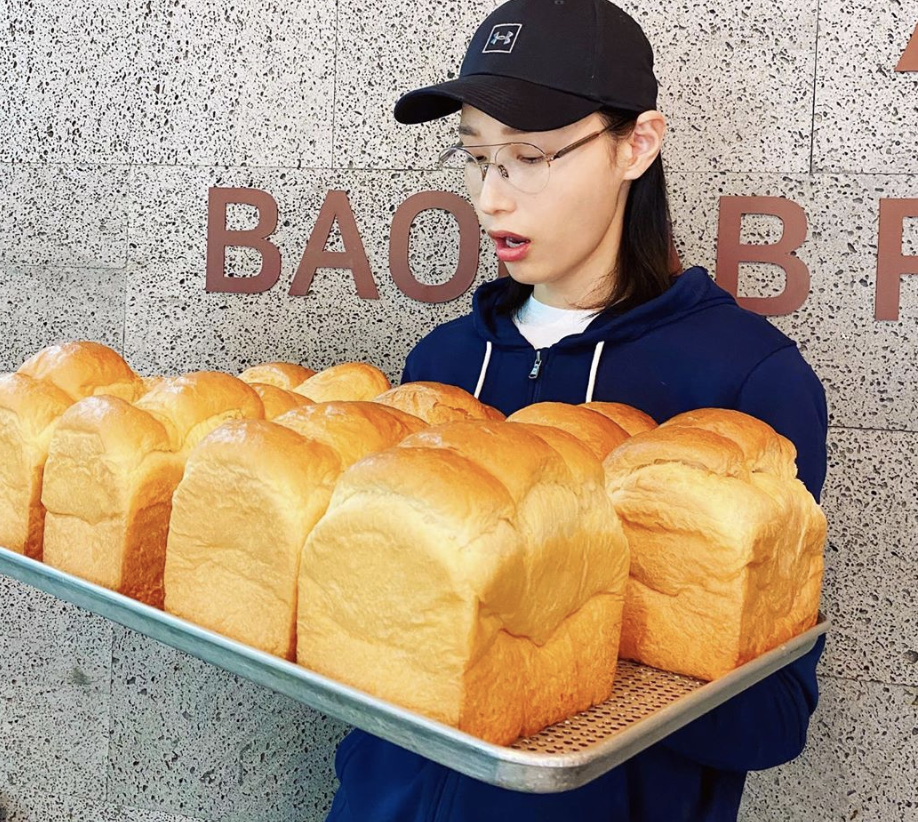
<point x="84" y="369"/>
<point x="763" y="448"/>
<point x="191" y="406"/>
<point x="632" y="420"/>
<point x="265" y="448"/>
<point x="278" y="401"/>
<point x="286" y="375"/>
<point x="599" y="433"/>
<point x="352" y="429"/>
<point x="696" y="448"/>
<point x="32" y="405"/>
<point x="500" y="509"/>
<point x="437" y="403"/>
<point x="356" y="381"/>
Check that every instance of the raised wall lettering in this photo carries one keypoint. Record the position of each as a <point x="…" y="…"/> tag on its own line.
<point x="219" y="238"/>
<point x="336" y="207"/>
<point x="469" y="245"/>
<point x="892" y="265"/>
<point x="909" y="61"/>
<point x="731" y="252"/>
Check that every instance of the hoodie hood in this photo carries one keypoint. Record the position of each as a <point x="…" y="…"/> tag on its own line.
<point x="691" y="291"/>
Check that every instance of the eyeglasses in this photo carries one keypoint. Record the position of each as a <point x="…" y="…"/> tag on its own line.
<point x="525" y="166"/>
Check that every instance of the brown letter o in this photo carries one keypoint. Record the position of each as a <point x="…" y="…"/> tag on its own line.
<point x="469" y="236"/>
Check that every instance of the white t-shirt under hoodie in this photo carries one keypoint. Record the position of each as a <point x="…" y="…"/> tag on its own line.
<point x="543" y="325"/>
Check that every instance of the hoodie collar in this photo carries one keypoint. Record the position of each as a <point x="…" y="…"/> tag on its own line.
<point x="691" y="291"/>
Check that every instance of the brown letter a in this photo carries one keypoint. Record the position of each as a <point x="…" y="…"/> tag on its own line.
<point x="335" y="208"/>
<point x="909" y="61"/>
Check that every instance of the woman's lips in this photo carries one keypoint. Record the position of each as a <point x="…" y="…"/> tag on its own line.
<point x="511" y="253"/>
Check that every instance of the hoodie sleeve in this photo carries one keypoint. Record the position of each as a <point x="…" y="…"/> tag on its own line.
<point x="766" y="725"/>
<point x="784" y="392"/>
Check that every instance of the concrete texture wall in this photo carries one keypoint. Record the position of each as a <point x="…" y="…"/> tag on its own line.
<point x="116" y="118"/>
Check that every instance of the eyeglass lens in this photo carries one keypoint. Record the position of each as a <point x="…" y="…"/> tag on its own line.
<point x="525" y="167"/>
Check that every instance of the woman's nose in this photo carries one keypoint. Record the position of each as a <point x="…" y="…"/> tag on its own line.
<point x="496" y="192"/>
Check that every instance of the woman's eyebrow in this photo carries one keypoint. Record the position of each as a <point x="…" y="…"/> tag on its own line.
<point x="468" y="131"/>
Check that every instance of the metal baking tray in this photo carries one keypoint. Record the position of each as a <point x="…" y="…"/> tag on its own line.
<point x="647" y="704"/>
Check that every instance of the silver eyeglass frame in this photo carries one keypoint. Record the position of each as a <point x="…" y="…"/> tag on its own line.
<point x="483" y="164"/>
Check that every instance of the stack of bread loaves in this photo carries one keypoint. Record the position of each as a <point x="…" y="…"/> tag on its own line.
<point x="31" y="402"/>
<point x="475" y="573"/>
<point x="251" y="494"/>
<point x="726" y="544"/>
<point x="112" y="469"/>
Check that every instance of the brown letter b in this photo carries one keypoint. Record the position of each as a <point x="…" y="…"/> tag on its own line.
<point x="731" y="252"/>
<point x="219" y="237"/>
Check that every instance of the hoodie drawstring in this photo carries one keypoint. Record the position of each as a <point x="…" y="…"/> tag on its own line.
<point x="484" y="368"/>
<point x="597" y="353"/>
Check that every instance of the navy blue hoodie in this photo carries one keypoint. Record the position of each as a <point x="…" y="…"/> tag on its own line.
<point x="692" y="347"/>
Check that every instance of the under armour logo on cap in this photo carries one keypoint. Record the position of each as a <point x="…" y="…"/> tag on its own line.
<point x="502" y="38"/>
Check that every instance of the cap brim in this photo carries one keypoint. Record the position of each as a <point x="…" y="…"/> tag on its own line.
<point x="517" y="103"/>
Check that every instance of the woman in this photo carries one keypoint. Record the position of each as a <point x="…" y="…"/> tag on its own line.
<point x="560" y="149"/>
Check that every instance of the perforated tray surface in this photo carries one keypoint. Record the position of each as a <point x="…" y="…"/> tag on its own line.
<point x="647" y="704"/>
<point x="639" y="693"/>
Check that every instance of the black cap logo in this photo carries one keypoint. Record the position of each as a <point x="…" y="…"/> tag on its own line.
<point x="502" y="38"/>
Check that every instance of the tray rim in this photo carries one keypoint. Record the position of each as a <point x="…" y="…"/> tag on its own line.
<point x="512" y="768"/>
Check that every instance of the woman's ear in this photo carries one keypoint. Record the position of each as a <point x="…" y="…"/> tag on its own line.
<point x="644" y="143"/>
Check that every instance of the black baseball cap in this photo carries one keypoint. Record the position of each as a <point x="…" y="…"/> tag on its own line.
<point x="537" y="65"/>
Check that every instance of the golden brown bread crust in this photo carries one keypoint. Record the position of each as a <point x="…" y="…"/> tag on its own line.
<point x="600" y="434"/>
<point x="286" y="375"/>
<point x="468" y="574"/>
<point x="352" y="429"/>
<point x="147" y="384"/>
<point x="694" y="448"/>
<point x="632" y="420"/>
<point x="355" y="381"/>
<point x="726" y="555"/>
<point x="193" y="405"/>
<point x="580" y="460"/>
<point x="113" y="468"/>
<point x="84" y="369"/>
<point x="29" y="409"/>
<point x="108" y="490"/>
<point x="763" y="448"/>
<point x="251" y="493"/>
<point x="437" y="403"/>
<point x="278" y="401"/>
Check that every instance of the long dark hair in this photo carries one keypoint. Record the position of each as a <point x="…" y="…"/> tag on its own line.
<point x="645" y="261"/>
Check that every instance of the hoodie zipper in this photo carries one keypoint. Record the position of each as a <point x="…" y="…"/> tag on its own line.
<point x="537" y="370"/>
<point x="536" y="366"/>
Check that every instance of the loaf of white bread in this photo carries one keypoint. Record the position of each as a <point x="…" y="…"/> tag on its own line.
<point x="31" y="402"/>
<point x="112" y="469"/>
<point x="475" y="574"/>
<point x="726" y="544"/>
<point x="251" y="493"/>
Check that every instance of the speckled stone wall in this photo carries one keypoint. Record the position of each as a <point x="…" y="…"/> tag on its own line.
<point x="116" y="116"/>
